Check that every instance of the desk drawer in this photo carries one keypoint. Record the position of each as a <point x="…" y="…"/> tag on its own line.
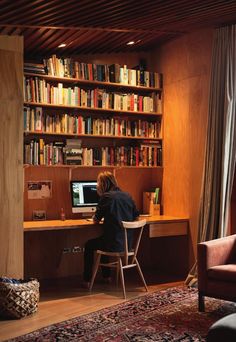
<point x="168" y="229"/>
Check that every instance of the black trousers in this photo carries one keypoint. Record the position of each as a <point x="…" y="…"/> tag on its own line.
<point x="90" y="247"/>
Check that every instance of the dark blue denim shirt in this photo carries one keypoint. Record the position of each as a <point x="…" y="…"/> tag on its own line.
<point x="115" y="206"/>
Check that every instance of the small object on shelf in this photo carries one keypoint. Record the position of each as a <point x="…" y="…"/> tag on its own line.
<point x="156" y="196"/>
<point x="39" y="215"/>
<point x="150" y="205"/>
<point x="63" y="216"/>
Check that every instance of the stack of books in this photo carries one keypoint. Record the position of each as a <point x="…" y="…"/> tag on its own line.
<point x="34" y="68"/>
<point x="73" y="152"/>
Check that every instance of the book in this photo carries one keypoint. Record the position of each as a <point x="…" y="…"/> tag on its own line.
<point x="38" y="119"/>
<point x="114" y="73"/>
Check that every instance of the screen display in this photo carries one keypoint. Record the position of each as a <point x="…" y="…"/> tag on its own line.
<point x="84" y="196"/>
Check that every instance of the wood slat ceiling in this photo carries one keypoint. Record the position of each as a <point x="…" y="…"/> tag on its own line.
<point x="105" y="26"/>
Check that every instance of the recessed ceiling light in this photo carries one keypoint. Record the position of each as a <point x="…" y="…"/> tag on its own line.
<point x="62" y="45"/>
<point x="131" y="42"/>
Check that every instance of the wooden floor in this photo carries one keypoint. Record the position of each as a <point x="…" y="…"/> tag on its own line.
<point x="63" y="299"/>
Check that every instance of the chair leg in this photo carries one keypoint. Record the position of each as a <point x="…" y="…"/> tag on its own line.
<point x="95" y="271"/>
<point x="141" y="274"/>
<point x="117" y="273"/>
<point x="201" y="302"/>
<point x="122" y="277"/>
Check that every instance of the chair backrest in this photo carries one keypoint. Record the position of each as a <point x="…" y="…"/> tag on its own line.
<point x="138" y="225"/>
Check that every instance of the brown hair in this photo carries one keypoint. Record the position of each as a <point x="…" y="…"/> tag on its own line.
<point x="106" y="181"/>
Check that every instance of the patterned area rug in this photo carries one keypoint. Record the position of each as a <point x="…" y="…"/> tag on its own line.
<point x="167" y="315"/>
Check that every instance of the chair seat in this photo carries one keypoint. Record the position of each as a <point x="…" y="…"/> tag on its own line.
<point x="115" y="254"/>
<point x="123" y="260"/>
<point x="223" y="272"/>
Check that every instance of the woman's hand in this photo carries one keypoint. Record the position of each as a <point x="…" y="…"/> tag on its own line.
<point x="95" y="220"/>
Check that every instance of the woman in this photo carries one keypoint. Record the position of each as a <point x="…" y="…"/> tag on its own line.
<point x="114" y="206"/>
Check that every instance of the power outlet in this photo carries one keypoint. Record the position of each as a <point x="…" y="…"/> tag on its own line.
<point x="76" y="249"/>
<point x="66" y="250"/>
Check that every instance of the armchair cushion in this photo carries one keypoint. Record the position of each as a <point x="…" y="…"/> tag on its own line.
<point x="223" y="272"/>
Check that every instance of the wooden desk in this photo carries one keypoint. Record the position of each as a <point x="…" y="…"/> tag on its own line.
<point x="160" y="225"/>
<point x="45" y="242"/>
<point x="30" y="226"/>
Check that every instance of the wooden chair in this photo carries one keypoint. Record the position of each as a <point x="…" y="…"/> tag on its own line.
<point x="123" y="260"/>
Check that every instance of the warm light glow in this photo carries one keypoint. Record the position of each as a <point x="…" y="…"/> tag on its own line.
<point x="130" y="43"/>
<point x="62" y="45"/>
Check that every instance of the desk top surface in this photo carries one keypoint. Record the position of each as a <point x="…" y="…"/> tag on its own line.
<point x="83" y="223"/>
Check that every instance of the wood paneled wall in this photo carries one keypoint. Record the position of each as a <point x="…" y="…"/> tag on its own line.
<point x="186" y="64"/>
<point x="11" y="156"/>
<point x="130" y="59"/>
<point x="135" y="181"/>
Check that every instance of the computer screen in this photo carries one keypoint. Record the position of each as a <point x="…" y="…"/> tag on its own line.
<point x="84" y="196"/>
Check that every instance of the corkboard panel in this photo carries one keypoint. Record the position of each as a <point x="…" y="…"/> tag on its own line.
<point x="11" y="158"/>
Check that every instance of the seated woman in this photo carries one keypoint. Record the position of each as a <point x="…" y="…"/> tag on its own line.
<point x="114" y="206"/>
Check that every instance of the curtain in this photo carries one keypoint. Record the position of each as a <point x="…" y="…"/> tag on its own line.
<point x="220" y="154"/>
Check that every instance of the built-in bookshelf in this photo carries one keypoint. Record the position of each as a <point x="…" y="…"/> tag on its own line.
<point x="87" y="114"/>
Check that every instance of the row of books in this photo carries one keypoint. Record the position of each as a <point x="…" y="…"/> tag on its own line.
<point x="38" y="152"/>
<point x="35" y="120"/>
<point x="115" y="73"/>
<point x="39" y="91"/>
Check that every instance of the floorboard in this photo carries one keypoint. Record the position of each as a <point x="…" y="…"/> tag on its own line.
<point x="63" y="299"/>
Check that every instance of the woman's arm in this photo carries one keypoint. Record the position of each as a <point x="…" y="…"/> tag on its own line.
<point x="102" y="208"/>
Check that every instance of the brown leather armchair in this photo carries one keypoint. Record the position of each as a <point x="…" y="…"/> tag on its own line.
<point x="217" y="269"/>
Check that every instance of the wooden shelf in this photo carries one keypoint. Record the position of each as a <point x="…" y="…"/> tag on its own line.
<point x="92" y="83"/>
<point x="153" y="120"/>
<point x="90" y="136"/>
<point x="93" y="110"/>
<point x="89" y="166"/>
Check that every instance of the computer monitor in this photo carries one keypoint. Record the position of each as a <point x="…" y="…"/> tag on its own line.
<point x="84" y="196"/>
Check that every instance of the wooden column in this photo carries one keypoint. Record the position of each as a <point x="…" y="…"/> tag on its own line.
<point x="185" y="64"/>
<point x="11" y="156"/>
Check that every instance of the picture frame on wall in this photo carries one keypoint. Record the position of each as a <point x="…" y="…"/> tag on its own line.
<point x="39" y="215"/>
